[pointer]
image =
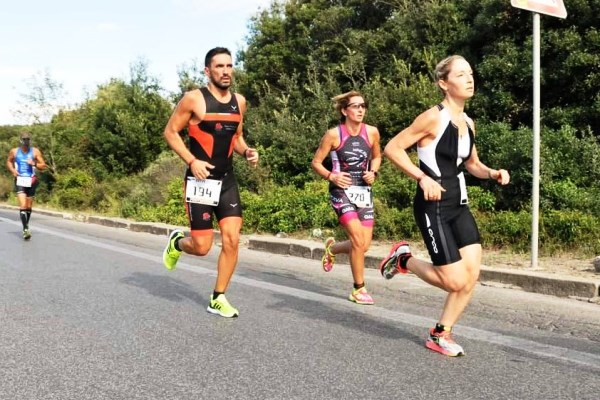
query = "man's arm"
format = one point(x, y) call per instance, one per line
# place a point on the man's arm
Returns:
point(38, 159)
point(10, 163)
point(179, 119)
point(190, 107)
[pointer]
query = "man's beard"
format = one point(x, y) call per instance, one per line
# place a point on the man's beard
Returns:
point(222, 86)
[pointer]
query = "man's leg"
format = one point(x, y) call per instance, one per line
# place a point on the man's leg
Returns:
point(230, 238)
point(24, 206)
point(28, 207)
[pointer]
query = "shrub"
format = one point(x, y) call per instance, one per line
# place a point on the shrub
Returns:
point(6, 187)
point(481, 199)
point(73, 190)
point(288, 209)
point(393, 224)
point(505, 229)
point(562, 230)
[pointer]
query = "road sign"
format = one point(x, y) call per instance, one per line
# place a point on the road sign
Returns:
point(555, 8)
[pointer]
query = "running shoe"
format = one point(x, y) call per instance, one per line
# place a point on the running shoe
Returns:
point(171, 254)
point(390, 265)
point(360, 296)
point(220, 306)
point(26, 234)
point(328, 258)
point(443, 342)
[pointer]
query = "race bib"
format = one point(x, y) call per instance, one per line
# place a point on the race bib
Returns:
point(360, 196)
point(463, 189)
point(203, 191)
point(24, 181)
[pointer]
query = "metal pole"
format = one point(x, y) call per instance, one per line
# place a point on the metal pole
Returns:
point(535, 193)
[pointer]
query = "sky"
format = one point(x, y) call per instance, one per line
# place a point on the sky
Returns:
point(81, 44)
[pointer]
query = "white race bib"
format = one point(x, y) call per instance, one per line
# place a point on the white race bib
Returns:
point(464, 199)
point(24, 181)
point(203, 191)
point(360, 196)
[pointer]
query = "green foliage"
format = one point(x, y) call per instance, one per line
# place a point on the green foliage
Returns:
point(172, 211)
point(123, 126)
point(288, 209)
point(394, 189)
point(392, 223)
point(6, 187)
point(562, 230)
point(481, 199)
point(505, 229)
point(77, 190)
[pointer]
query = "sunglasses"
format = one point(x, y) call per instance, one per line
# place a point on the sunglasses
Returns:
point(356, 106)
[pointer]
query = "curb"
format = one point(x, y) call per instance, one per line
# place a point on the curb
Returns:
point(578, 288)
point(530, 281)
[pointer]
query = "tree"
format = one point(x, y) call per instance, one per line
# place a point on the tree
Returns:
point(123, 125)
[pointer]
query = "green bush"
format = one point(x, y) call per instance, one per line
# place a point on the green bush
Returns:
point(564, 195)
point(171, 212)
point(481, 199)
point(7, 187)
point(288, 209)
point(73, 190)
point(393, 224)
point(505, 229)
point(564, 230)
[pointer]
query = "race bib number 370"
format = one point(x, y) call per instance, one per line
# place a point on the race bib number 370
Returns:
point(203, 191)
point(360, 196)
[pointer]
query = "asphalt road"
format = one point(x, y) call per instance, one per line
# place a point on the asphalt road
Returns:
point(88, 312)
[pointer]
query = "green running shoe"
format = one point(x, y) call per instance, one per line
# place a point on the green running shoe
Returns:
point(220, 306)
point(171, 254)
point(26, 234)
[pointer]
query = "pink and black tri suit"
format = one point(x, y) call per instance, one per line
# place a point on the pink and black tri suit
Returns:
point(353, 156)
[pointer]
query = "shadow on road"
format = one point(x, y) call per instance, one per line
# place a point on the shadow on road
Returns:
point(350, 320)
point(164, 287)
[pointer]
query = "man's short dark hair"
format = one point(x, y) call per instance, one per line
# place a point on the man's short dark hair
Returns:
point(213, 52)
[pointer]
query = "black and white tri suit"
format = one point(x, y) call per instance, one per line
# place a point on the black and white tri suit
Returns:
point(446, 225)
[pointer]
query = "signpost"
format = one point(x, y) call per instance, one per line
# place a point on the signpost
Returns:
point(554, 8)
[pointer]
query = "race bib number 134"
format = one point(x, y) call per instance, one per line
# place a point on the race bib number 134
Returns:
point(203, 191)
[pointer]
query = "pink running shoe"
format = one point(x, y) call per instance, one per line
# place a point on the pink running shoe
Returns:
point(360, 296)
point(328, 258)
point(444, 343)
point(390, 265)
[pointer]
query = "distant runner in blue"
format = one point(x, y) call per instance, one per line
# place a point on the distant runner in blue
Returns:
point(23, 162)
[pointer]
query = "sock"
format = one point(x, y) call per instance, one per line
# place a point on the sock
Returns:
point(439, 328)
point(28, 215)
point(359, 286)
point(403, 261)
point(217, 294)
point(23, 215)
point(176, 244)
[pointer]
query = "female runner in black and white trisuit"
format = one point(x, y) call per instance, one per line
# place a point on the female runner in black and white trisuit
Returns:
point(445, 138)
